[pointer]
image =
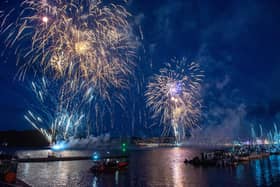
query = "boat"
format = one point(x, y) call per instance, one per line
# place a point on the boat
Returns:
point(108, 165)
point(255, 155)
point(8, 168)
point(215, 158)
point(196, 161)
point(274, 150)
point(8, 171)
point(146, 144)
point(275, 153)
point(242, 158)
point(155, 142)
point(265, 154)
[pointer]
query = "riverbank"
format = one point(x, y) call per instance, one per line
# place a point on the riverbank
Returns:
point(233, 156)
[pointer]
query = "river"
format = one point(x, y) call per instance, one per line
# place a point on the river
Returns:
point(155, 167)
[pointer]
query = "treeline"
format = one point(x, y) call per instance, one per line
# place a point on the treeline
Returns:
point(27, 138)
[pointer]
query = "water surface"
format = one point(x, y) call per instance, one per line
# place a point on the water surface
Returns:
point(156, 167)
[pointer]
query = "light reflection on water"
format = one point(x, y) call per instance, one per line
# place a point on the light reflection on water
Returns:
point(177, 172)
point(152, 167)
point(266, 171)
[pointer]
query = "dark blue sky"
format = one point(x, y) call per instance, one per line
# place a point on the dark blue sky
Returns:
point(235, 41)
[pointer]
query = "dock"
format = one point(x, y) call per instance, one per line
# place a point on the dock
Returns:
point(70, 158)
point(53, 159)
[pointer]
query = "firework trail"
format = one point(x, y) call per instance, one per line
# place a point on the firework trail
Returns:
point(89, 45)
point(82, 40)
point(59, 114)
point(52, 115)
point(173, 96)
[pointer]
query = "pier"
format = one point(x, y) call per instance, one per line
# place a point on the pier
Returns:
point(70, 158)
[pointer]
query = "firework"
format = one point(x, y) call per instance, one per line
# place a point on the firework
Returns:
point(59, 114)
point(87, 46)
point(174, 96)
point(52, 115)
point(81, 40)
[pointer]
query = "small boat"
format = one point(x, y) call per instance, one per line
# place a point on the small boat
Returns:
point(255, 155)
point(275, 153)
point(8, 168)
point(265, 154)
point(242, 158)
point(215, 158)
point(8, 171)
point(108, 165)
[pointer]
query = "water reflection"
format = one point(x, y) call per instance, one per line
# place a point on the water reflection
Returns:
point(153, 167)
point(258, 171)
point(240, 172)
point(94, 184)
point(177, 170)
point(117, 177)
point(275, 167)
point(26, 169)
point(266, 171)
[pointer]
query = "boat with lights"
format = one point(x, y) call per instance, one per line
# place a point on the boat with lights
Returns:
point(8, 171)
point(108, 163)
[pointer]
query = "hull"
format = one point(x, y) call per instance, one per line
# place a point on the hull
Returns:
point(103, 167)
point(8, 169)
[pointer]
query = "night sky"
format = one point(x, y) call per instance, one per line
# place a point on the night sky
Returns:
point(237, 43)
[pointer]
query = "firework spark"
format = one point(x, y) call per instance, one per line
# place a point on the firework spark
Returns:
point(81, 40)
point(51, 113)
point(88, 45)
point(59, 114)
point(174, 96)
